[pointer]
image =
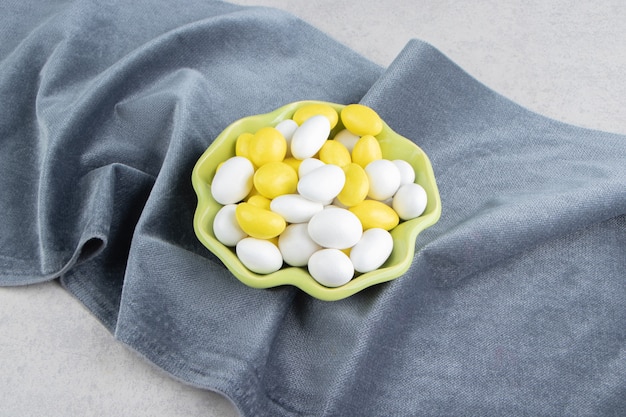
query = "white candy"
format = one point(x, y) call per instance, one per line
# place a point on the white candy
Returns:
point(323, 183)
point(310, 136)
point(296, 245)
point(372, 250)
point(233, 181)
point(410, 201)
point(386, 201)
point(258, 255)
point(335, 228)
point(384, 178)
point(294, 208)
point(225, 226)
point(347, 138)
point(407, 173)
point(331, 267)
point(287, 127)
point(308, 165)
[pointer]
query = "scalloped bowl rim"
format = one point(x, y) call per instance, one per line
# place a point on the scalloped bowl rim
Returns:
point(404, 235)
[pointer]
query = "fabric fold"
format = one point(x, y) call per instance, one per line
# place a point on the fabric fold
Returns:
point(519, 179)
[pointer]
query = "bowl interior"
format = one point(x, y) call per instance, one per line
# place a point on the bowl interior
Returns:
point(404, 235)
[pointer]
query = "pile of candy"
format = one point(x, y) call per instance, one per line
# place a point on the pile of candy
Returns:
point(293, 195)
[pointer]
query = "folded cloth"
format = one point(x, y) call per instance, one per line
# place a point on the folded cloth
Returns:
point(515, 303)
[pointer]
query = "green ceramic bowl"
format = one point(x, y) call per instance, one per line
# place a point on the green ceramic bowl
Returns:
point(404, 235)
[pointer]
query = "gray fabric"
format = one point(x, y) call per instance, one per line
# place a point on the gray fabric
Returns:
point(515, 303)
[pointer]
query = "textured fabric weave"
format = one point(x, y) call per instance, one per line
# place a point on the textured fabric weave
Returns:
point(515, 303)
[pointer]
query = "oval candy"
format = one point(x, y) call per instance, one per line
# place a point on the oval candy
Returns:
point(384, 179)
point(335, 228)
point(322, 184)
point(296, 246)
point(307, 165)
point(258, 222)
point(373, 213)
point(410, 201)
point(287, 127)
point(407, 173)
point(267, 145)
point(372, 250)
point(361, 120)
point(259, 201)
point(366, 150)
point(294, 208)
point(225, 226)
point(356, 186)
point(258, 255)
point(275, 178)
point(307, 111)
point(309, 137)
point(331, 267)
point(242, 145)
point(334, 152)
point(293, 162)
point(347, 138)
point(233, 181)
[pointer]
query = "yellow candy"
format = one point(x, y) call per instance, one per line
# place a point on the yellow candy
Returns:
point(366, 150)
point(293, 162)
point(242, 145)
point(333, 152)
point(258, 222)
point(356, 187)
point(267, 145)
point(275, 178)
point(260, 201)
point(274, 240)
point(373, 213)
point(309, 110)
point(361, 120)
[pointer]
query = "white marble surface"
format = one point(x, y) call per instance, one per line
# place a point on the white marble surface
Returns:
point(563, 59)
